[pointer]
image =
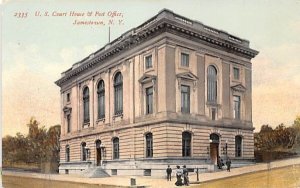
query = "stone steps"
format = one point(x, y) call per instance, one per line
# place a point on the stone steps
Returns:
point(95, 172)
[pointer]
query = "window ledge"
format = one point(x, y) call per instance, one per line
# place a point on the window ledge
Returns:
point(149, 114)
point(209, 103)
point(118, 115)
point(184, 67)
point(237, 81)
point(149, 69)
point(100, 119)
point(86, 125)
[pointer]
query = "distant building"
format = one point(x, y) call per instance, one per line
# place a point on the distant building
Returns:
point(170, 91)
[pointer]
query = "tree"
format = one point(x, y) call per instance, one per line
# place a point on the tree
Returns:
point(38, 146)
point(296, 127)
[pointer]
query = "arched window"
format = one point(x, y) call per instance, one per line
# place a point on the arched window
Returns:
point(238, 146)
point(67, 153)
point(98, 143)
point(211, 84)
point(86, 105)
point(214, 138)
point(83, 151)
point(101, 99)
point(116, 148)
point(149, 145)
point(118, 85)
point(186, 144)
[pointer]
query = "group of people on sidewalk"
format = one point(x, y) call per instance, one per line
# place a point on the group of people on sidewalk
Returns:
point(180, 173)
point(220, 163)
point(183, 174)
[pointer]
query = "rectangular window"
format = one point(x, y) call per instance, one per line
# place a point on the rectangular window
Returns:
point(149, 100)
point(114, 172)
point(213, 114)
point(147, 172)
point(68, 97)
point(184, 60)
point(68, 123)
point(237, 107)
point(236, 73)
point(148, 62)
point(185, 99)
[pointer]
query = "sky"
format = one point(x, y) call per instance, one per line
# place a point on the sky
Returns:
point(36, 49)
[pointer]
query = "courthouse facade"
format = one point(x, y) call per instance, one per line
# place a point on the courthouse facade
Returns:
point(170, 91)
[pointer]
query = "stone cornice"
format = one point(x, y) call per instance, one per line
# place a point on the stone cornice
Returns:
point(164, 21)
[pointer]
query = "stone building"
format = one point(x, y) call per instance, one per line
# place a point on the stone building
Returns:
point(170, 91)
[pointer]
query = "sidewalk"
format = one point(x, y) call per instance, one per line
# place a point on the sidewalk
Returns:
point(124, 181)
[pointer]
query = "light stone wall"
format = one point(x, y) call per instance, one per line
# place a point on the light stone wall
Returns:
point(167, 122)
point(167, 139)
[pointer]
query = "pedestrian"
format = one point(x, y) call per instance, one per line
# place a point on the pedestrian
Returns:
point(222, 163)
point(169, 172)
point(228, 164)
point(219, 162)
point(185, 175)
point(178, 176)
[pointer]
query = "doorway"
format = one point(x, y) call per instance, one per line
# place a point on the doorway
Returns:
point(214, 152)
point(214, 147)
point(98, 153)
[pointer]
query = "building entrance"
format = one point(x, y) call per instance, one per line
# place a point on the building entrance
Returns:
point(214, 148)
point(214, 152)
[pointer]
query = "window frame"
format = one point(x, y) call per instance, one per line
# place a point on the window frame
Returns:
point(184, 62)
point(118, 94)
point(149, 95)
point(186, 144)
point(212, 84)
point(68, 97)
point(185, 109)
point(238, 75)
point(237, 112)
point(116, 148)
point(214, 114)
point(149, 145)
point(67, 156)
point(86, 105)
point(238, 146)
point(148, 64)
point(68, 117)
point(101, 97)
point(83, 152)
